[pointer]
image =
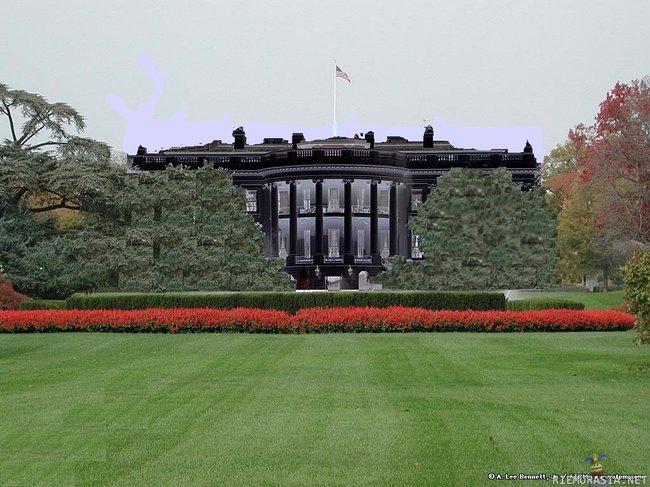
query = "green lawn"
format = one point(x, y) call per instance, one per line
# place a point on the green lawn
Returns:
point(590, 300)
point(308, 410)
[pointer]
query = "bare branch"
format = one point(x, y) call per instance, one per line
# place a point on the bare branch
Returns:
point(43, 144)
point(30, 126)
point(11, 120)
point(56, 206)
point(34, 133)
point(21, 192)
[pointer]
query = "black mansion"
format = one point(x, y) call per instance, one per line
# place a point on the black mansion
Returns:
point(339, 206)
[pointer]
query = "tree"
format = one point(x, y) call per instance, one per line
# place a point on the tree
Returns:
point(188, 231)
point(73, 219)
point(560, 169)
point(583, 248)
point(637, 293)
point(619, 155)
point(46, 169)
point(599, 185)
point(9, 298)
point(45, 166)
point(480, 232)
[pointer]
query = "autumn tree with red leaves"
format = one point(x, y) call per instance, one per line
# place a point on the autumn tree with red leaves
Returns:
point(619, 156)
point(9, 298)
point(599, 183)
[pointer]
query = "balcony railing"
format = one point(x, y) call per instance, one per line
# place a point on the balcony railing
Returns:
point(419, 160)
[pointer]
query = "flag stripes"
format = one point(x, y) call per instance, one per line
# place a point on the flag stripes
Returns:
point(342, 74)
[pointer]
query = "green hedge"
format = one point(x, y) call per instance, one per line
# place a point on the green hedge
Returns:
point(543, 303)
point(44, 304)
point(290, 301)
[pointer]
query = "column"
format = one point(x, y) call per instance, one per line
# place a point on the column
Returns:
point(293, 218)
point(318, 250)
point(265, 218)
point(393, 219)
point(404, 199)
point(374, 220)
point(274, 220)
point(347, 219)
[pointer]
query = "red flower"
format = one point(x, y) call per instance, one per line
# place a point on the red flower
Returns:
point(314, 320)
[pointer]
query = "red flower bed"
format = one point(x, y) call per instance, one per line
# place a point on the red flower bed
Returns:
point(311, 320)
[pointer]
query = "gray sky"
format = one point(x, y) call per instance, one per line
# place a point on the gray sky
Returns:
point(486, 73)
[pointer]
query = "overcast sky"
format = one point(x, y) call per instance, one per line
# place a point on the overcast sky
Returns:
point(486, 73)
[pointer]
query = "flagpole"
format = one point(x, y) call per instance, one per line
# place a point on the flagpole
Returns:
point(335, 97)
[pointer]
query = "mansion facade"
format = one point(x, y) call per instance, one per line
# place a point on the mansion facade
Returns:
point(334, 208)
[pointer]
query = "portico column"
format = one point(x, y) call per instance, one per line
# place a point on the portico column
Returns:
point(265, 218)
point(374, 220)
point(393, 219)
point(293, 218)
point(274, 219)
point(318, 250)
point(347, 219)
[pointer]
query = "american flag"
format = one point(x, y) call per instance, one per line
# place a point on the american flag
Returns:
point(342, 74)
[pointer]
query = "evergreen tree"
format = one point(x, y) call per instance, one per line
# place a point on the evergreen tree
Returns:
point(169, 230)
point(188, 231)
point(480, 232)
point(46, 169)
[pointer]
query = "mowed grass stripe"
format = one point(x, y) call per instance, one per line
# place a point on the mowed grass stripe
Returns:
point(591, 300)
point(412, 409)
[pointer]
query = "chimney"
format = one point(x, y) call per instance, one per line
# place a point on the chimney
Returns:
point(142, 151)
point(296, 138)
point(528, 155)
point(370, 138)
point(240, 137)
point(427, 139)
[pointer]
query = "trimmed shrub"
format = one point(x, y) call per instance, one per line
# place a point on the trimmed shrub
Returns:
point(44, 304)
point(291, 301)
point(541, 303)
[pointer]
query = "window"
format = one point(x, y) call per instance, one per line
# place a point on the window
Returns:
point(416, 253)
point(333, 200)
point(283, 202)
point(333, 191)
point(251, 200)
point(282, 251)
point(383, 202)
point(333, 242)
point(361, 236)
point(306, 234)
point(384, 238)
point(385, 251)
point(305, 197)
point(306, 238)
point(416, 199)
point(361, 196)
